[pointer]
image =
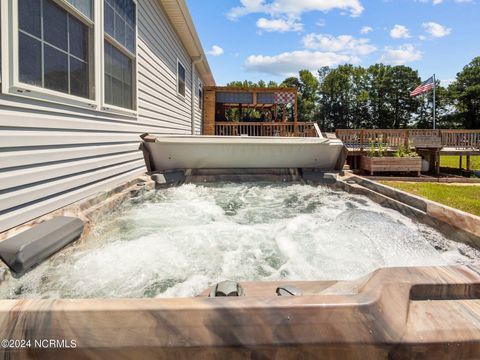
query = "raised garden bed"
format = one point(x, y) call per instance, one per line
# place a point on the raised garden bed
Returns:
point(391, 164)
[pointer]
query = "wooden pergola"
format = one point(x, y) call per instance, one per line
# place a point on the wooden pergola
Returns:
point(275, 104)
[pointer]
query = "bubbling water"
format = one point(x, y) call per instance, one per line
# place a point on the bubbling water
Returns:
point(179, 241)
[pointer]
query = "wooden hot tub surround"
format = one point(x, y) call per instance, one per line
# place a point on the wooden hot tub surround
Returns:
point(395, 313)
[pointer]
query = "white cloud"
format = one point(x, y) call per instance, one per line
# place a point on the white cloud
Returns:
point(279, 25)
point(400, 32)
point(447, 82)
point(319, 50)
point(436, 30)
point(289, 63)
point(400, 55)
point(365, 30)
point(343, 44)
point(434, 2)
point(215, 51)
point(293, 7)
point(437, 2)
point(248, 7)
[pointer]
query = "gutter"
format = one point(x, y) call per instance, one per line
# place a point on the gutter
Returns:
point(181, 21)
point(196, 60)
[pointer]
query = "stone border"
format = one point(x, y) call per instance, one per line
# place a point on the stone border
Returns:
point(88, 210)
point(456, 224)
point(91, 207)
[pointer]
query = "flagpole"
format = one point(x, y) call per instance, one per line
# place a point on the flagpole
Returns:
point(434, 103)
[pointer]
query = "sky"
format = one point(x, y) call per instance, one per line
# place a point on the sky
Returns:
point(274, 39)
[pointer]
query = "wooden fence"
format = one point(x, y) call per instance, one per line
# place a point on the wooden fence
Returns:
point(302, 129)
point(361, 139)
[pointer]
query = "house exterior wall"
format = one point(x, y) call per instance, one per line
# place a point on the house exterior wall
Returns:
point(52, 155)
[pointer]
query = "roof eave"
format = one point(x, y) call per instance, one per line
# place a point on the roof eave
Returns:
point(181, 20)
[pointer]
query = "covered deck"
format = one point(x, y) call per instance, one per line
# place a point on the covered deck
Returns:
point(234, 111)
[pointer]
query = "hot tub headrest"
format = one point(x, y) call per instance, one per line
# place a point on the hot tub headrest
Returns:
point(29, 248)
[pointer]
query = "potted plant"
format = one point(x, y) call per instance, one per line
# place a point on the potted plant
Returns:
point(404, 159)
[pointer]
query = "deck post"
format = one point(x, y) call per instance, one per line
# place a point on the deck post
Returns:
point(295, 116)
point(460, 165)
point(468, 162)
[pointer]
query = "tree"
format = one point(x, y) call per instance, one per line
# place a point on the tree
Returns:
point(307, 86)
point(261, 84)
point(308, 96)
point(343, 97)
point(379, 97)
point(403, 80)
point(466, 94)
point(291, 82)
point(335, 93)
point(391, 105)
point(447, 118)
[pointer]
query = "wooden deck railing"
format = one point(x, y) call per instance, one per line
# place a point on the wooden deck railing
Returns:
point(361, 139)
point(461, 139)
point(302, 129)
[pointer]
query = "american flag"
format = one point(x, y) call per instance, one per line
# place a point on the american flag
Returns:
point(425, 87)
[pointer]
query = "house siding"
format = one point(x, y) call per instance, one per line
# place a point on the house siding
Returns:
point(52, 155)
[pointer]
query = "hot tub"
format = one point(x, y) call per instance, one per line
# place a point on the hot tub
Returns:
point(374, 283)
point(237, 152)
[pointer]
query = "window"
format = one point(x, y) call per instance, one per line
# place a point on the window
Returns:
point(84, 6)
point(73, 52)
point(200, 97)
point(53, 47)
point(120, 53)
point(118, 78)
point(180, 79)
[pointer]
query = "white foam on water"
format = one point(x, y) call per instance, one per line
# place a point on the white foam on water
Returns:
point(179, 241)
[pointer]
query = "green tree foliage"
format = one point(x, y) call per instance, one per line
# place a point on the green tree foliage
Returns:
point(308, 86)
point(355, 97)
point(466, 94)
point(379, 97)
point(447, 118)
point(343, 97)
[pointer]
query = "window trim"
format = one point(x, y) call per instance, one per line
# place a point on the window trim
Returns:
point(3, 40)
point(200, 95)
point(9, 80)
point(183, 96)
point(113, 109)
point(15, 87)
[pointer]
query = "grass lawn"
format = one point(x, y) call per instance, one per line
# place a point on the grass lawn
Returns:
point(463, 197)
point(453, 162)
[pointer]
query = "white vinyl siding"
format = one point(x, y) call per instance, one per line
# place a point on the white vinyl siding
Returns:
point(198, 107)
point(158, 51)
point(52, 155)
